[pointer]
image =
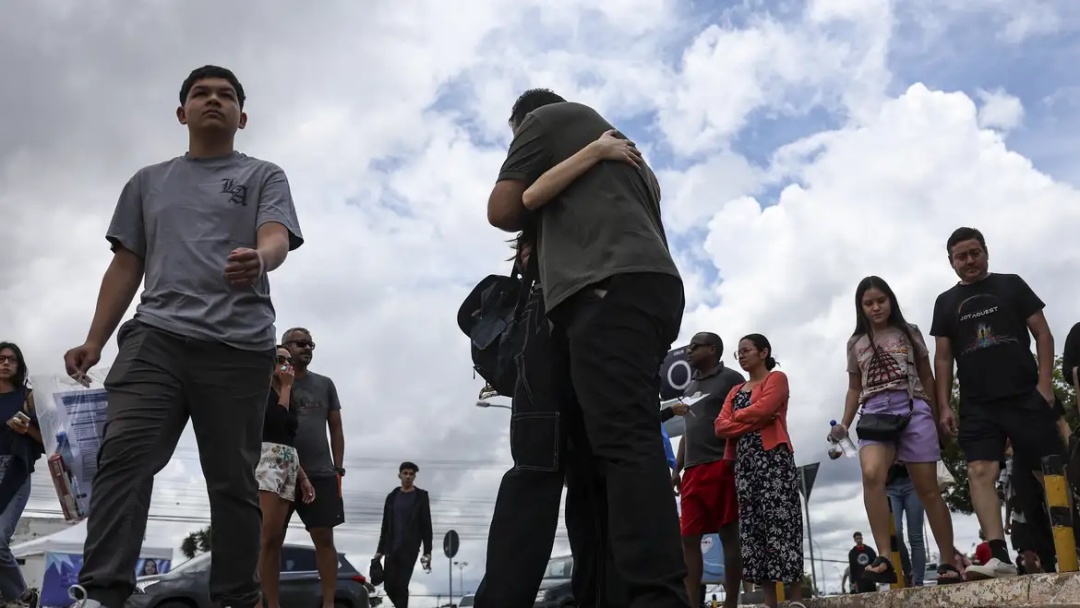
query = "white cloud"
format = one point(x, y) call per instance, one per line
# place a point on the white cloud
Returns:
point(391, 188)
point(999, 110)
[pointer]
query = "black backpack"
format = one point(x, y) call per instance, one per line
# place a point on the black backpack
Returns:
point(488, 316)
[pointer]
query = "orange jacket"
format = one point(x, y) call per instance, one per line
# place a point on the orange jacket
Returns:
point(767, 413)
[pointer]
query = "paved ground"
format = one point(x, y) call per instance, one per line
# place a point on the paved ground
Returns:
point(1035, 591)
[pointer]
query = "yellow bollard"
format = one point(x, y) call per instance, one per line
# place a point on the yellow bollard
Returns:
point(779, 591)
point(894, 550)
point(1057, 503)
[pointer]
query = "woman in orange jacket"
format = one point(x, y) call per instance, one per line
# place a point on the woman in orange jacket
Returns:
point(754, 419)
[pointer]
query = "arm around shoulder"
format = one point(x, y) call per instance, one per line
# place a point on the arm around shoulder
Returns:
point(771, 396)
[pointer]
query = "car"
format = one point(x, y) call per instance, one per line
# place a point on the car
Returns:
point(555, 590)
point(187, 585)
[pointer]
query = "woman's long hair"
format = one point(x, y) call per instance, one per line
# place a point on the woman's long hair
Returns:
point(863, 326)
point(20, 371)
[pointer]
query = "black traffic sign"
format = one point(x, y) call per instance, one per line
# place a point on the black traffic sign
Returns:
point(450, 544)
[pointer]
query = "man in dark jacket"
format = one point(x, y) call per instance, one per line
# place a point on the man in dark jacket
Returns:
point(406, 525)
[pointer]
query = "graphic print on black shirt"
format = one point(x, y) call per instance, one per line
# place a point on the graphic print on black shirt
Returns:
point(858, 559)
point(986, 324)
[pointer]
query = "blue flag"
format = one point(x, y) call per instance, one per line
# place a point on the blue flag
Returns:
point(667, 448)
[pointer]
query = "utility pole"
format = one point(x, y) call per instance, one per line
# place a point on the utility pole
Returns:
point(461, 575)
point(809, 532)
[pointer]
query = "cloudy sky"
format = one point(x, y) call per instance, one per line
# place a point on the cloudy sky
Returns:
point(801, 145)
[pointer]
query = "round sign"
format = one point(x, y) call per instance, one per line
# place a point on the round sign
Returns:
point(450, 544)
point(678, 375)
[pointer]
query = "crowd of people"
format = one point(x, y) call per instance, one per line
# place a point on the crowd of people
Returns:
point(585, 207)
point(201, 232)
point(601, 302)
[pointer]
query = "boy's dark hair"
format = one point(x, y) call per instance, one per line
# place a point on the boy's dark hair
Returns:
point(211, 71)
point(529, 101)
point(964, 234)
point(408, 466)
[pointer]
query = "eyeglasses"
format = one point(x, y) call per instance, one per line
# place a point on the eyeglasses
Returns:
point(8, 359)
point(743, 351)
point(303, 344)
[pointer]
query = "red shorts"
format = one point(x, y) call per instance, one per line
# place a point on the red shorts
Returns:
point(709, 499)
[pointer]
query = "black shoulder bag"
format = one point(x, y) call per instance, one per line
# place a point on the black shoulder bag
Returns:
point(887, 427)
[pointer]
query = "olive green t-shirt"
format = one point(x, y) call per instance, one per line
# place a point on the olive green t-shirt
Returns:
point(607, 222)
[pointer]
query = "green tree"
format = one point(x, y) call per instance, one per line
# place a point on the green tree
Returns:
point(958, 496)
point(199, 541)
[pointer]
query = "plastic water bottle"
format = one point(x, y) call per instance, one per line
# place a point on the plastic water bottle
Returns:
point(844, 442)
point(63, 448)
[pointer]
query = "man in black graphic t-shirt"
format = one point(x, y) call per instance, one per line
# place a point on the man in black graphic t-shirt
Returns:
point(859, 558)
point(983, 323)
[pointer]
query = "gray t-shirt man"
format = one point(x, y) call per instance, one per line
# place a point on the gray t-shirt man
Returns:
point(700, 443)
point(606, 223)
point(314, 396)
point(183, 217)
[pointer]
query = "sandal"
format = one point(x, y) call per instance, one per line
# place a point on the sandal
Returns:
point(948, 575)
point(887, 576)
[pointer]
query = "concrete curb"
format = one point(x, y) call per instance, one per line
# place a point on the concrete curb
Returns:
point(1033, 591)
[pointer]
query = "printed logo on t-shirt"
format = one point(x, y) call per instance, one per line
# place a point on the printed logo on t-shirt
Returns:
point(975, 317)
point(237, 193)
point(863, 559)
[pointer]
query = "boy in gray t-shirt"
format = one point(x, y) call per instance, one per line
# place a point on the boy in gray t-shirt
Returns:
point(201, 231)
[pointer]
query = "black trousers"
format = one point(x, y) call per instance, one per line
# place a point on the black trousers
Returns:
point(615, 335)
point(157, 382)
point(550, 450)
point(398, 573)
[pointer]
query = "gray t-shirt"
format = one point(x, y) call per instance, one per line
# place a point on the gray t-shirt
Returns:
point(314, 397)
point(607, 222)
point(184, 217)
point(700, 443)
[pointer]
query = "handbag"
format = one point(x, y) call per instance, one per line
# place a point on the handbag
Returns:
point(887, 427)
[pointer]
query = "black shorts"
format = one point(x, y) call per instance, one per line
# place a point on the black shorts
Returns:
point(1028, 421)
point(326, 511)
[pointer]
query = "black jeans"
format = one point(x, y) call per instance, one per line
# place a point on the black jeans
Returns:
point(616, 334)
point(398, 572)
point(157, 381)
point(546, 457)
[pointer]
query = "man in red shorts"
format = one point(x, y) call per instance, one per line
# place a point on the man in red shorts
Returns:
point(707, 483)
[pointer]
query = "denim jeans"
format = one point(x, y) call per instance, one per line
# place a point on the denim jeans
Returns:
point(12, 584)
point(905, 502)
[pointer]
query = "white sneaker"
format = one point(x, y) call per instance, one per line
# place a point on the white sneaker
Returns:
point(77, 593)
point(995, 568)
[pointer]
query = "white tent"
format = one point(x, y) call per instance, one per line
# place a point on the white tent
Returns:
point(51, 560)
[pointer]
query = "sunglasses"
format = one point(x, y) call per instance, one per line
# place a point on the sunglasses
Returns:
point(303, 344)
point(282, 359)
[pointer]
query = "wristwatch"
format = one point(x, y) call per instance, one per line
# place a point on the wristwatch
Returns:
point(340, 471)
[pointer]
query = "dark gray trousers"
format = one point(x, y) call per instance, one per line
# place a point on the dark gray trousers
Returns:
point(157, 382)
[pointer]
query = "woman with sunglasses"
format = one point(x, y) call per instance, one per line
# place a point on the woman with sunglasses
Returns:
point(278, 474)
point(754, 418)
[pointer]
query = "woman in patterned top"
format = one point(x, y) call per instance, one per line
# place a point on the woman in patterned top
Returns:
point(754, 418)
point(889, 372)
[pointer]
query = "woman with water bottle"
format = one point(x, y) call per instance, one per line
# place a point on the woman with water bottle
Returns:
point(890, 377)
